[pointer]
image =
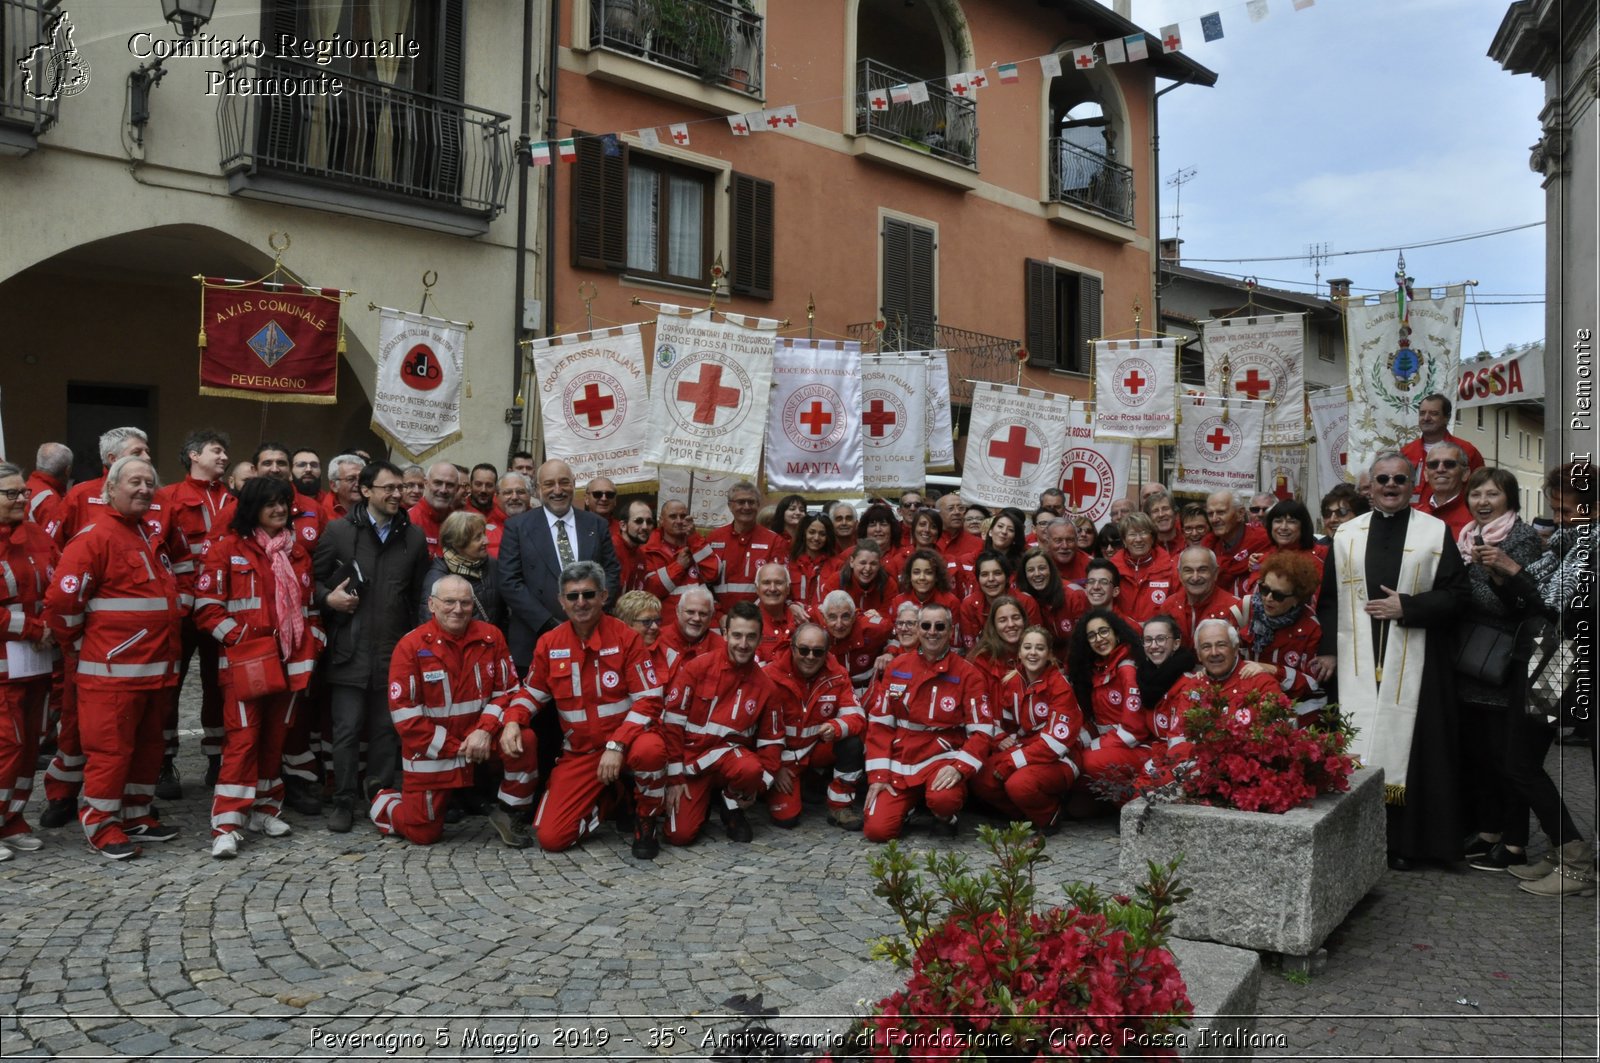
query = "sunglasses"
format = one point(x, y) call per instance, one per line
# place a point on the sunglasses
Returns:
point(1444, 463)
point(929, 625)
point(587, 596)
point(602, 495)
point(1259, 509)
point(1276, 595)
point(811, 651)
point(1399, 479)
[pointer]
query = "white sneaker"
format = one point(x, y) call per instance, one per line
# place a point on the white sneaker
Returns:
point(271, 826)
point(225, 846)
point(5, 852)
point(24, 843)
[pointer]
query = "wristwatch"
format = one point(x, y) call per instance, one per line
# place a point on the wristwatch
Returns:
point(615, 747)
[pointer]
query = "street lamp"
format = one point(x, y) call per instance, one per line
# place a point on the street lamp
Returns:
point(188, 17)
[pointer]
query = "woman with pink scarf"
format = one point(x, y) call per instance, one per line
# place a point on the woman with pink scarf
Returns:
point(253, 594)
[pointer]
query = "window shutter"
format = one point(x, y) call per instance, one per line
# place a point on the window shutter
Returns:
point(896, 307)
point(1039, 294)
point(752, 235)
point(1088, 320)
point(279, 135)
point(923, 315)
point(449, 81)
point(599, 204)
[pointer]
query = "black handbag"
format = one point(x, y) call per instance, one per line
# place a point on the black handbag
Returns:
point(1484, 652)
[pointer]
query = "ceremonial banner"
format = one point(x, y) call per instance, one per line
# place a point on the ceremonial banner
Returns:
point(1393, 366)
point(272, 342)
point(894, 422)
point(1265, 359)
point(708, 395)
point(814, 437)
point(1489, 380)
point(705, 493)
point(1283, 472)
point(1219, 444)
point(592, 403)
point(416, 404)
point(1094, 472)
point(1330, 419)
point(941, 431)
point(1135, 385)
point(1014, 445)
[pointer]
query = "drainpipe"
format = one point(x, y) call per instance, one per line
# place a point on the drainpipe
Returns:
point(1155, 219)
point(520, 268)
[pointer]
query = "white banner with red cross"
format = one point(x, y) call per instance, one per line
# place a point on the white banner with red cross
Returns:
point(894, 422)
point(708, 394)
point(592, 393)
point(1014, 444)
point(814, 433)
point(941, 430)
point(1261, 358)
point(1283, 471)
point(416, 403)
point(1094, 471)
point(1219, 444)
point(1330, 419)
point(1135, 389)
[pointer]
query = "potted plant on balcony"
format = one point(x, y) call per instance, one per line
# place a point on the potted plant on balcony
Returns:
point(746, 48)
point(622, 21)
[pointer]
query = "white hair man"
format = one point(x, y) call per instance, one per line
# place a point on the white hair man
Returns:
point(115, 443)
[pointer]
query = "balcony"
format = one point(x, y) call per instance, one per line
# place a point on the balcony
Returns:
point(1090, 181)
point(717, 41)
point(37, 68)
point(974, 357)
point(375, 150)
point(943, 128)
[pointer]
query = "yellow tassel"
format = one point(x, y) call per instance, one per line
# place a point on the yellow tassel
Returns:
point(1394, 794)
point(202, 335)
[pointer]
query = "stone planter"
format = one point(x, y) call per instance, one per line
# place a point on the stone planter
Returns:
point(1260, 881)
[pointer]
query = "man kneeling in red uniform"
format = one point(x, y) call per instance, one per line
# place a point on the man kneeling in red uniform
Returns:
point(822, 723)
point(447, 680)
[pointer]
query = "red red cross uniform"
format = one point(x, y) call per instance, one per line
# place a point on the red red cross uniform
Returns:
point(74, 511)
point(1036, 762)
point(723, 726)
point(1416, 452)
point(808, 578)
point(776, 630)
point(118, 598)
point(423, 516)
point(443, 687)
point(1170, 746)
point(1117, 725)
point(740, 556)
point(678, 651)
point(818, 714)
point(663, 575)
point(604, 689)
point(1146, 584)
point(928, 715)
point(1060, 620)
point(1218, 605)
point(203, 510)
point(859, 653)
point(45, 501)
point(974, 613)
point(494, 527)
point(235, 601)
point(27, 557)
point(1233, 563)
point(310, 733)
point(1288, 650)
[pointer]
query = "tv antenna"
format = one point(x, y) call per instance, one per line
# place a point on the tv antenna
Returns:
point(1316, 255)
point(1176, 182)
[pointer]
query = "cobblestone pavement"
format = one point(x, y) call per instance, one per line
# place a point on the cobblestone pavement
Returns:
point(305, 945)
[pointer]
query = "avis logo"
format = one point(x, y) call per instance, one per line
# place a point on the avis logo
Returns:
point(54, 68)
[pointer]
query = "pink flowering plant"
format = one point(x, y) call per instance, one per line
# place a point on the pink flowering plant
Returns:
point(991, 976)
point(1255, 757)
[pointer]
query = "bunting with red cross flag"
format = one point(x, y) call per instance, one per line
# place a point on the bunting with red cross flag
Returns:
point(592, 393)
point(1094, 471)
point(894, 423)
point(1135, 389)
point(1219, 444)
point(814, 429)
point(1014, 444)
point(709, 387)
point(1261, 358)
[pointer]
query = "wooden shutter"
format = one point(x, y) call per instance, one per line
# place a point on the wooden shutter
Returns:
point(1039, 295)
point(752, 235)
point(449, 82)
point(280, 137)
point(599, 204)
point(920, 277)
point(896, 249)
point(1088, 320)
point(908, 281)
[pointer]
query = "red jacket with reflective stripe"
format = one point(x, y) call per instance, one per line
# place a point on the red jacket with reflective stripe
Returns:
point(739, 556)
point(808, 705)
point(1218, 605)
point(234, 601)
point(1233, 565)
point(27, 556)
point(714, 705)
point(202, 510)
point(117, 600)
point(1045, 719)
point(662, 575)
point(74, 507)
point(1167, 720)
point(45, 506)
point(423, 517)
point(1116, 709)
point(604, 687)
point(1145, 585)
point(927, 716)
point(442, 687)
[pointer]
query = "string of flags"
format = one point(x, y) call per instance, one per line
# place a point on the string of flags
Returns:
point(1133, 48)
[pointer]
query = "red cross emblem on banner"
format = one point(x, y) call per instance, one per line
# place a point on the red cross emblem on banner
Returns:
point(773, 121)
point(1134, 382)
point(816, 419)
point(1079, 487)
point(594, 405)
point(708, 394)
point(681, 137)
point(877, 418)
point(789, 120)
point(1218, 439)
point(960, 88)
point(1014, 452)
point(1086, 60)
point(977, 81)
point(1252, 385)
point(880, 103)
point(1172, 42)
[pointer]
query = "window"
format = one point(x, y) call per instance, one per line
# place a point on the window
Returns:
point(909, 265)
point(1325, 346)
point(1063, 315)
point(669, 222)
point(1480, 418)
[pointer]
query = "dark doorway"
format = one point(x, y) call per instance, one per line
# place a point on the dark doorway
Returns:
point(96, 408)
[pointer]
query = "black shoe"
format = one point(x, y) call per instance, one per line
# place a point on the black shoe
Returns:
point(341, 819)
point(117, 850)
point(168, 788)
point(213, 769)
point(1478, 845)
point(454, 813)
point(152, 832)
point(738, 826)
point(1400, 863)
point(646, 845)
point(508, 824)
point(469, 803)
point(59, 813)
point(300, 797)
point(1499, 858)
point(944, 828)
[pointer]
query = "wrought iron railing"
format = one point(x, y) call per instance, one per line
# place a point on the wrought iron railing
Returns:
point(973, 356)
point(372, 136)
point(38, 64)
point(715, 40)
point(1089, 180)
point(944, 126)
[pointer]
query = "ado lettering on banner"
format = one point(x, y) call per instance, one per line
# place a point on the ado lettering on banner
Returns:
point(416, 405)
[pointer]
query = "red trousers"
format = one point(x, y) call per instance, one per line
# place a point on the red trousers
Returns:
point(1033, 793)
point(416, 812)
point(22, 709)
point(64, 777)
point(738, 771)
point(1115, 763)
point(885, 814)
point(210, 692)
point(248, 779)
point(570, 807)
point(307, 744)
point(121, 732)
point(785, 808)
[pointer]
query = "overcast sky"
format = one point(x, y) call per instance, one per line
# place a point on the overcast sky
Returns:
point(1359, 124)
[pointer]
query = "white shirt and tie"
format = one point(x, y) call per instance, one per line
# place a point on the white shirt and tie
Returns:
point(564, 535)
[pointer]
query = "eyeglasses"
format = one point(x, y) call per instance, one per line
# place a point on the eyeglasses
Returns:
point(1259, 509)
point(648, 621)
point(929, 625)
point(387, 489)
point(587, 596)
point(602, 495)
point(1100, 633)
point(811, 651)
point(1153, 640)
point(1399, 479)
point(1276, 595)
point(1444, 463)
point(905, 623)
point(1336, 511)
point(14, 493)
point(454, 603)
